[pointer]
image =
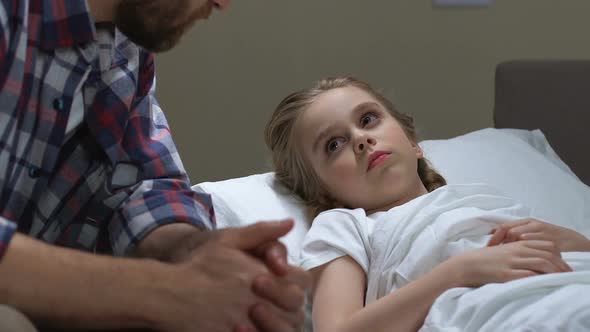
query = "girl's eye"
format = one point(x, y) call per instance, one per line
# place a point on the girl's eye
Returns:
point(333, 145)
point(368, 118)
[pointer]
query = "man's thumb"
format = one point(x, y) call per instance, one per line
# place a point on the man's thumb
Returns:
point(250, 237)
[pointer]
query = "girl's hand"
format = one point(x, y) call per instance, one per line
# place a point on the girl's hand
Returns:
point(531, 229)
point(509, 262)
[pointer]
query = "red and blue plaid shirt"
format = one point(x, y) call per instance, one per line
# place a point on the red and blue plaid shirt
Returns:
point(101, 182)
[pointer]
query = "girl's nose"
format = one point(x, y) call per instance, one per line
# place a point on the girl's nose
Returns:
point(363, 143)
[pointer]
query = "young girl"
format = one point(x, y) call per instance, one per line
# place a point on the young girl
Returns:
point(389, 235)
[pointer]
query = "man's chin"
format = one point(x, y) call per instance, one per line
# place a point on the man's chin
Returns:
point(142, 25)
point(161, 47)
point(155, 45)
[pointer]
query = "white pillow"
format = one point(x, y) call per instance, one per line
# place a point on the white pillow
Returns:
point(519, 162)
point(537, 140)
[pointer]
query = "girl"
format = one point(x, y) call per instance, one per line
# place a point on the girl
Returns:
point(389, 235)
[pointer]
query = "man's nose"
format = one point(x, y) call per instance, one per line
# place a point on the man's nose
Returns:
point(221, 4)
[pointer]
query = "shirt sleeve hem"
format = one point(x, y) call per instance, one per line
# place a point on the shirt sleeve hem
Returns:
point(313, 262)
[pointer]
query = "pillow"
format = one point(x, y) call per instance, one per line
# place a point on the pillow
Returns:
point(519, 162)
point(539, 142)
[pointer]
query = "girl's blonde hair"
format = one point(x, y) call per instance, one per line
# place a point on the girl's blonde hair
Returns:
point(294, 172)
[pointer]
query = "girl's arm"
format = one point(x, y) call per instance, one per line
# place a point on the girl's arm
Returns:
point(339, 293)
point(339, 286)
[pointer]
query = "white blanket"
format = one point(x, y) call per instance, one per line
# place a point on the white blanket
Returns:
point(398, 246)
point(551, 302)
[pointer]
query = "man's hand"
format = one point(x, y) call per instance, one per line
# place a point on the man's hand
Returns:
point(531, 229)
point(285, 294)
point(274, 293)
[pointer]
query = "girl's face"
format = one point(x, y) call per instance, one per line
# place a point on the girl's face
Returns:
point(359, 151)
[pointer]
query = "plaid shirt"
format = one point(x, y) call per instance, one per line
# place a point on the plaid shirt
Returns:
point(101, 182)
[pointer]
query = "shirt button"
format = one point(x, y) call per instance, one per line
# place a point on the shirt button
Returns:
point(58, 104)
point(34, 171)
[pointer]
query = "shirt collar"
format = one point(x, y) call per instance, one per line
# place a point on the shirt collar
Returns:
point(66, 23)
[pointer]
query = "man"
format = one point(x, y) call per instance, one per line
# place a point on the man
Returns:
point(87, 162)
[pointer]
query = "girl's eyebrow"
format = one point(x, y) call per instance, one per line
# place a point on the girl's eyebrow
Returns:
point(363, 106)
point(326, 131)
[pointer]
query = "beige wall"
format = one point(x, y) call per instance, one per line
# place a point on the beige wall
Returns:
point(220, 85)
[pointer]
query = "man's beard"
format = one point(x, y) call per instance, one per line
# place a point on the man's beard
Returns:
point(157, 25)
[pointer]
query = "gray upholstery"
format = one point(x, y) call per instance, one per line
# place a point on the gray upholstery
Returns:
point(553, 95)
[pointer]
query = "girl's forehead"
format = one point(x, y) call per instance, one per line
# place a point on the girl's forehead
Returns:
point(334, 105)
point(339, 103)
point(344, 96)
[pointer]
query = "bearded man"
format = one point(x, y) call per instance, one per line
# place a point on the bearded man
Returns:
point(99, 228)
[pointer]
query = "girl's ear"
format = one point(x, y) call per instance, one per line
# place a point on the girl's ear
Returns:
point(418, 151)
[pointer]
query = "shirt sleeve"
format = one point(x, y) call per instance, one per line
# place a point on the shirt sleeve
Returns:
point(7, 229)
point(163, 195)
point(334, 234)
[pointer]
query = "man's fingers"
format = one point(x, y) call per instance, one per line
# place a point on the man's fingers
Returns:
point(252, 236)
point(274, 254)
point(281, 292)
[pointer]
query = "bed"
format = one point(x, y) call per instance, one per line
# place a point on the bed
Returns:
point(536, 154)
